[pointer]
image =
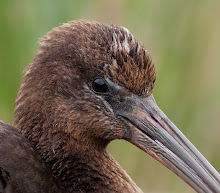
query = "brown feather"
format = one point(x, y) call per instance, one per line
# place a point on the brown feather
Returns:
point(63, 119)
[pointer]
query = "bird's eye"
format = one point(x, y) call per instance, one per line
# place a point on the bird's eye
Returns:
point(99, 85)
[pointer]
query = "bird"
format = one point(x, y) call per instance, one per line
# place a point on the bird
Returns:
point(89, 84)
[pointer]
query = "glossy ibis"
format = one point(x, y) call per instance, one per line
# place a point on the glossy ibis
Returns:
point(89, 84)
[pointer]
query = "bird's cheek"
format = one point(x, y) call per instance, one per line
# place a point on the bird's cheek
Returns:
point(112, 130)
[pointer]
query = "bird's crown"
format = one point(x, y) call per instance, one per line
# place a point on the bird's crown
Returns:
point(108, 51)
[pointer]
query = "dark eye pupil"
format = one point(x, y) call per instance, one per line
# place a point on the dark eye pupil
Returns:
point(99, 85)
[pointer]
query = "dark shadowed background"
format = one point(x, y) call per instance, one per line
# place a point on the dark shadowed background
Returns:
point(183, 38)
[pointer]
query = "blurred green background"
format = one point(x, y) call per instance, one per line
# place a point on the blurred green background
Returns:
point(183, 38)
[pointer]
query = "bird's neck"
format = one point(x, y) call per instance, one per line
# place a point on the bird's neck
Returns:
point(85, 170)
point(91, 171)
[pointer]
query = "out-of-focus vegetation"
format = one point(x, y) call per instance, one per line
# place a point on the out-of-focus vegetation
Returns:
point(183, 38)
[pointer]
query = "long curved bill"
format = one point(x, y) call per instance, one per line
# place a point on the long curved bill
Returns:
point(152, 131)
